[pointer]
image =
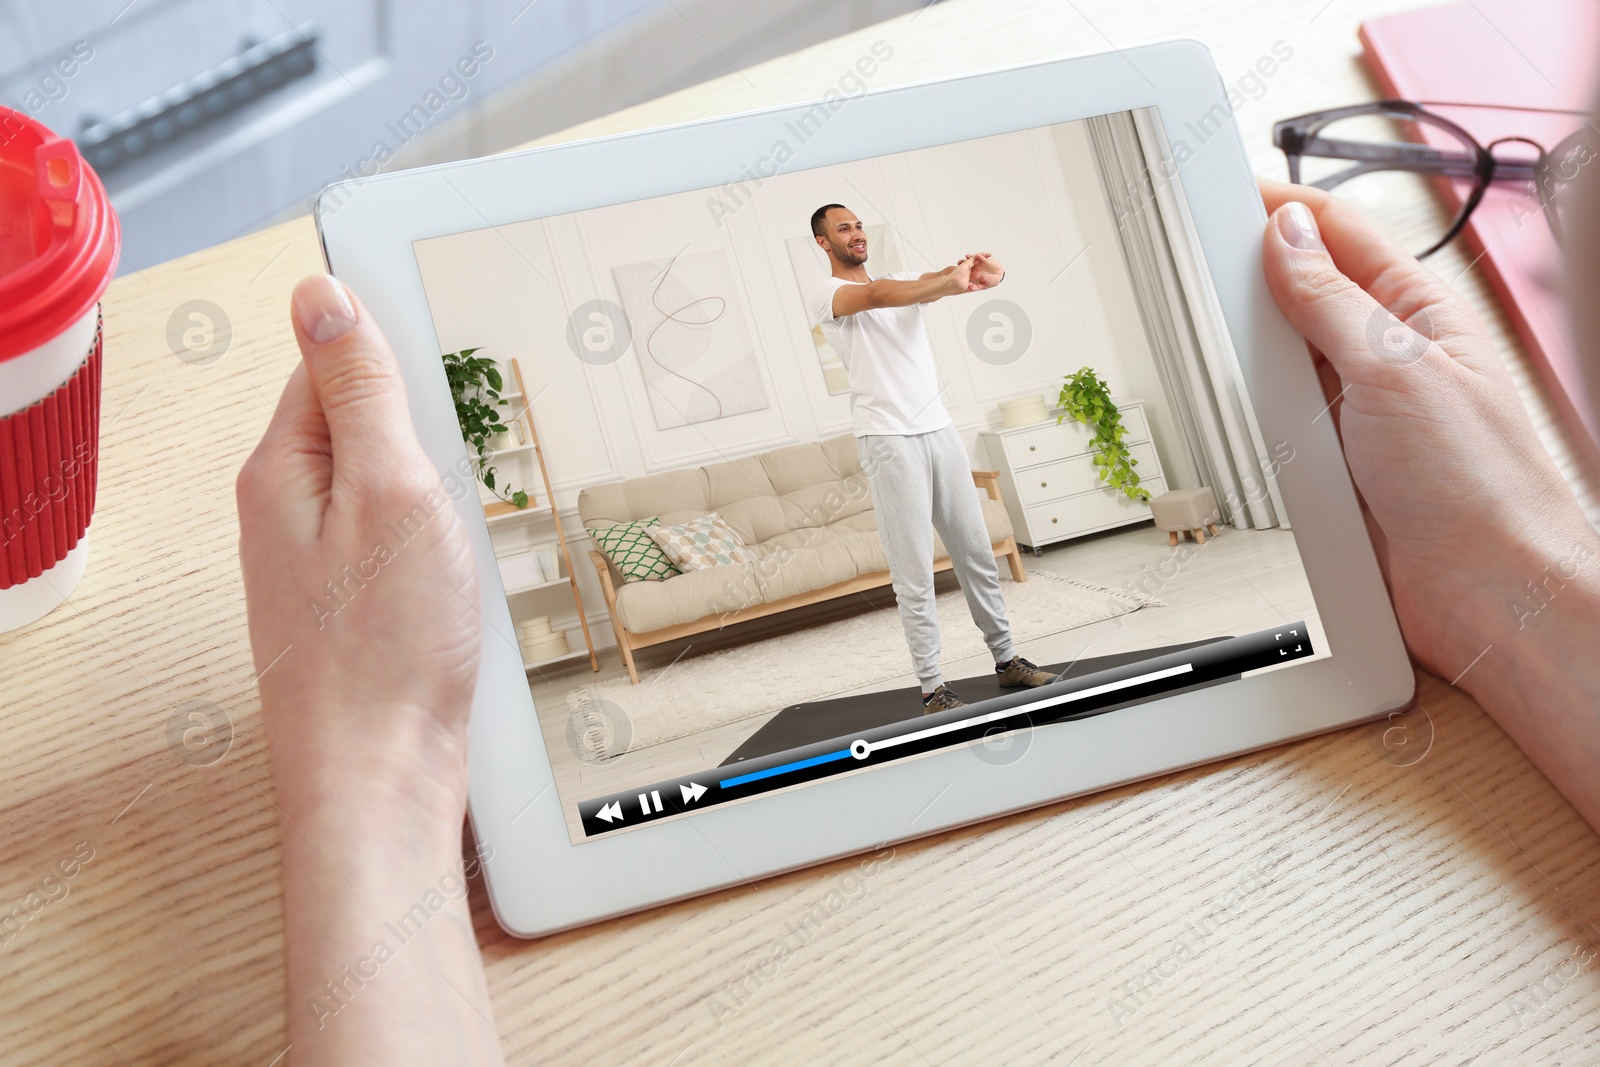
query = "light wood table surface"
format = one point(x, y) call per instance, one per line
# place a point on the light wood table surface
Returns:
point(1379, 909)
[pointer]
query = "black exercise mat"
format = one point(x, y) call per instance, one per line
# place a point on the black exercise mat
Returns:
point(806, 724)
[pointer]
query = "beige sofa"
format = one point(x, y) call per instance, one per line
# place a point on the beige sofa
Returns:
point(804, 511)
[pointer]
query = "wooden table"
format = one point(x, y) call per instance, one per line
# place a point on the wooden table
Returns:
point(1380, 908)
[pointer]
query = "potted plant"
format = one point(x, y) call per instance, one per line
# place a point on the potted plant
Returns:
point(1085, 397)
point(475, 385)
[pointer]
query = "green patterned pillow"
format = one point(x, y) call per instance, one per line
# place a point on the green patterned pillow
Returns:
point(633, 552)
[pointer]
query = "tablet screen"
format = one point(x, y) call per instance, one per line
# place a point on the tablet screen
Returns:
point(837, 466)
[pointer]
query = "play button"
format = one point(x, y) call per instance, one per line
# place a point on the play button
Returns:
point(692, 792)
point(611, 812)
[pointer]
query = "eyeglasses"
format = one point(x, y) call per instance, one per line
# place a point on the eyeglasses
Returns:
point(1396, 145)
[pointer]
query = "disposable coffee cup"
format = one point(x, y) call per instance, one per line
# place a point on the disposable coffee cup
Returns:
point(58, 251)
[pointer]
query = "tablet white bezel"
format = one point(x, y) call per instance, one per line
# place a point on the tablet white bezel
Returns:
point(539, 881)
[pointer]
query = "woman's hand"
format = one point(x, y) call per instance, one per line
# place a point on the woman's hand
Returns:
point(364, 622)
point(359, 577)
point(1463, 502)
point(1493, 569)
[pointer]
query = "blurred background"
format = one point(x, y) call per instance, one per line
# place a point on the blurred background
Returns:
point(210, 118)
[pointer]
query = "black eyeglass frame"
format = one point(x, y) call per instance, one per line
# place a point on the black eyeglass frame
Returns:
point(1302, 136)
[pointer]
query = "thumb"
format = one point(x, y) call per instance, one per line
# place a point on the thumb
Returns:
point(1359, 336)
point(356, 380)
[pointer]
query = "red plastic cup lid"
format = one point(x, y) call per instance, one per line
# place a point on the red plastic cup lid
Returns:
point(58, 235)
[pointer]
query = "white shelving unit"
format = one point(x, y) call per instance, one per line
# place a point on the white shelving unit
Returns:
point(514, 527)
point(510, 591)
point(502, 518)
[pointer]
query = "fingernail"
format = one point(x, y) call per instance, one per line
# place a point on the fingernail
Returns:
point(1298, 226)
point(323, 309)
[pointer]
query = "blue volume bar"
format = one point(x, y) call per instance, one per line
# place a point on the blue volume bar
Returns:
point(784, 768)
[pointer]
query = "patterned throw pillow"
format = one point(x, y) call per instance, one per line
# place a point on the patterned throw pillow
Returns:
point(630, 549)
point(701, 543)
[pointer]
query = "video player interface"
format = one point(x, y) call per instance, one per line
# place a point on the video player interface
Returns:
point(835, 467)
point(1071, 698)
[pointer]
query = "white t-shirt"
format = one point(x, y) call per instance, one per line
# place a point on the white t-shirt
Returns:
point(894, 383)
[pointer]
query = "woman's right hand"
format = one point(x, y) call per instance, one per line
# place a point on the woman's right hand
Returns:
point(1464, 504)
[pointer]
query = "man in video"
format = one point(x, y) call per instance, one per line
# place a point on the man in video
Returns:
point(910, 449)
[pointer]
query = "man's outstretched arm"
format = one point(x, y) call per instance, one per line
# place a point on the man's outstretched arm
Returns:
point(891, 293)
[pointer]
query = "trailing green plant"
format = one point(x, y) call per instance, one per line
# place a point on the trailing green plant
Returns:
point(1085, 397)
point(475, 385)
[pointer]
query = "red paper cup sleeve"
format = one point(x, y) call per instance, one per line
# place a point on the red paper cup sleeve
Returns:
point(49, 458)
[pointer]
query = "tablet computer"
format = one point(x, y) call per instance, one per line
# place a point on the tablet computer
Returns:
point(788, 436)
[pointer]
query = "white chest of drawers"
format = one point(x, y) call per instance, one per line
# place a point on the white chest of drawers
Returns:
point(1051, 486)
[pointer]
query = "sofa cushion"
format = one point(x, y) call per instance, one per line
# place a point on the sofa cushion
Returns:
point(670, 497)
point(630, 548)
point(825, 503)
point(707, 541)
point(739, 491)
point(795, 466)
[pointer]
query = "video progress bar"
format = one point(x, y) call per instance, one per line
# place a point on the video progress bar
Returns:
point(1073, 698)
point(862, 749)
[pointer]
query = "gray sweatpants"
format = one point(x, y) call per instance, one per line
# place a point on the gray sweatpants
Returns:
point(915, 478)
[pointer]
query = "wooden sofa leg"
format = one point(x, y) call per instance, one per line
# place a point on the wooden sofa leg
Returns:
point(1014, 558)
point(624, 645)
point(627, 654)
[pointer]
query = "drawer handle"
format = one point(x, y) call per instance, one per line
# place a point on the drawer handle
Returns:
point(1033, 448)
point(1043, 484)
point(260, 69)
point(1055, 520)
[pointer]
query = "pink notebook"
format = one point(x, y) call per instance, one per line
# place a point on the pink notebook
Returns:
point(1544, 53)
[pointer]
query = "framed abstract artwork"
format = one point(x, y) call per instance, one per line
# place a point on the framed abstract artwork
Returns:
point(691, 339)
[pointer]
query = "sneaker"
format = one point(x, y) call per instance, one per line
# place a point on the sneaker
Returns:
point(941, 699)
point(1019, 671)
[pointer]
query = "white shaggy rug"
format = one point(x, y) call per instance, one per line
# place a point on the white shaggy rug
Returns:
point(701, 692)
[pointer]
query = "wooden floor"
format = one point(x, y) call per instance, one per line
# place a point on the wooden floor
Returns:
point(1242, 581)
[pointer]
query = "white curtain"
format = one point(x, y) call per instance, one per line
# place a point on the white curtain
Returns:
point(1194, 354)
